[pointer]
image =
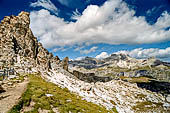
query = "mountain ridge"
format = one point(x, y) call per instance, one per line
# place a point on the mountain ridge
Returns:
point(116, 58)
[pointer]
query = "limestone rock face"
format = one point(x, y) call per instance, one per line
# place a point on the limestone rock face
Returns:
point(124, 96)
point(64, 63)
point(18, 44)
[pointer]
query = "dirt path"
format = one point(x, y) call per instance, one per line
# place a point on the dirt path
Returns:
point(11, 97)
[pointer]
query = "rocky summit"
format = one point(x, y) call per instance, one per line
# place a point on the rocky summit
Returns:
point(115, 83)
point(18, 46)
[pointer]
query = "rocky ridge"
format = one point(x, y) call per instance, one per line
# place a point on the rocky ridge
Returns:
point(117, 60)
point(19, 47)
point(118, 65)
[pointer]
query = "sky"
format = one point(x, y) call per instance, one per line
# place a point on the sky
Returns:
point(98, 28)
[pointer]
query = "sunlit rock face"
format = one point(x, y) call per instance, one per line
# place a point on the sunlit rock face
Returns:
point(124, 65)
point(18, 44)
point(124, 96)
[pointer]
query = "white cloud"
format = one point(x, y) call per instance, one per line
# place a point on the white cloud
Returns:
point(112, 23)
point(163, 21)
point(102, 55)
point(93, 49)
point(64, 2)
point(59, 49)
point(79, 48)
point(76, 15)
point(47, 4)
point(79, 58)
point(73, 3)
point(150, 11)
point(146, 53)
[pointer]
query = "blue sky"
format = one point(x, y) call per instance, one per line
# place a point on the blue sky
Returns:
point(79, 28)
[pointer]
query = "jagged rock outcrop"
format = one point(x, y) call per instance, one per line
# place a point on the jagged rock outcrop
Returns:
point(87, 63)
point(18, 44)
point(64, 63)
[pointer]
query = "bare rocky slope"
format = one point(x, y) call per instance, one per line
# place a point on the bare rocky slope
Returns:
point(20, 50)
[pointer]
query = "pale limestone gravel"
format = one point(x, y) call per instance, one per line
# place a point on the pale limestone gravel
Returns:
point(124, 95)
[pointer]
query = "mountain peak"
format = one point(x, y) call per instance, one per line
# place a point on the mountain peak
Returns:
point(19, 45)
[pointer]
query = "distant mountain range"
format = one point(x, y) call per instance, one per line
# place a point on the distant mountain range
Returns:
point(120, 60)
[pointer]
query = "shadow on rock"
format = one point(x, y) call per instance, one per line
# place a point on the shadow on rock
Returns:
point(1, 89)
point(156, 86)
point(90, 77)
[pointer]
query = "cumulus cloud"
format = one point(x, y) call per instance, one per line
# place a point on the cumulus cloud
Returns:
point(145, 53)
point(47, 4)
point(111, 23)
point(102, 55)
point(86, 51)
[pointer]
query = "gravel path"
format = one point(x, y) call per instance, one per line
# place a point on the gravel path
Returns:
point(11, 97)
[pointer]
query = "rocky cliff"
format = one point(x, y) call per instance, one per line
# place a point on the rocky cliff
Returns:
point(19, 46)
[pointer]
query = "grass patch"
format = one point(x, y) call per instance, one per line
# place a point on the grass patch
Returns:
point(119, 69)
point(135, 79)
point(18, 78)
point(143, 68)
point(1, 78)
point(147, 105)
point(62, 99)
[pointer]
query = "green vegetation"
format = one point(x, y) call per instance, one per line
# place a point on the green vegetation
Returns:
point(18, 78)
point(147, 105)
point(119, 69)
point(1, 78)
point(111, 74)
point(143, 68)
point(135, 79)
point(62, 99)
